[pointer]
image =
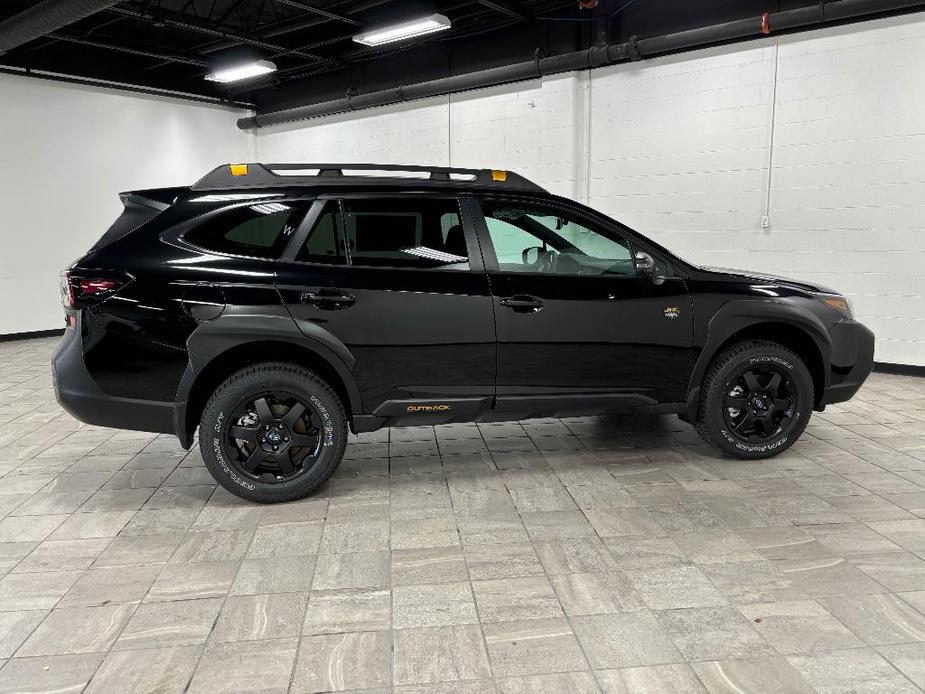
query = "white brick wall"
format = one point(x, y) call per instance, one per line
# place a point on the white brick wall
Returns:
point(679, 148)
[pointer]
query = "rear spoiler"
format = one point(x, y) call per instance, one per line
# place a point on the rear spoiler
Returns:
point(156, 198)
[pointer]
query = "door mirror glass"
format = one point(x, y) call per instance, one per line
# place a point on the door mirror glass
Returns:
point(645, 263)
point(531, 255)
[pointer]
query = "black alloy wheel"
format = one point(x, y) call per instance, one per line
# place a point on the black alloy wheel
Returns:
point(755, 400)
point(761, 403)
point(277, 436)
point(273, 432)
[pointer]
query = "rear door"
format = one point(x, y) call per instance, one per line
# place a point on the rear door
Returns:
point(396, 281)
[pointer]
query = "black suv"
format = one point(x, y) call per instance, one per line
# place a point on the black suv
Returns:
point(274, 306)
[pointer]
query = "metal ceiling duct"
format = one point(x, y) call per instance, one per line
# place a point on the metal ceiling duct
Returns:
point(596, 56)
point(45, 17)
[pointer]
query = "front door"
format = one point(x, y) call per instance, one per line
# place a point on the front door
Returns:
point(578, 328)
point(397, 282)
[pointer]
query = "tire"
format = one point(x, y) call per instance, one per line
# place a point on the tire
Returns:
point(322, 424)
point(726, 384)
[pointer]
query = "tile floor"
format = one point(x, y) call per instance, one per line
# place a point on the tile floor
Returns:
point(577, 555)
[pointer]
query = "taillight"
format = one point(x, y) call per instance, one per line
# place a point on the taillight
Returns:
point(67, 290)
point(97, 286)
point(92, 288)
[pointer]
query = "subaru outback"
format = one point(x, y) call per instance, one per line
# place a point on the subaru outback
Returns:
point(277, 307)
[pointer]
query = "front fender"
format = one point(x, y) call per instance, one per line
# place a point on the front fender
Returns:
point(740, 314)
point(210, 340)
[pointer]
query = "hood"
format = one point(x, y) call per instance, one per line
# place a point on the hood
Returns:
point(770, 279)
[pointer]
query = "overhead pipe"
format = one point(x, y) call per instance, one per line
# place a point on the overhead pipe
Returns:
point(596, 56)
point(45, 17)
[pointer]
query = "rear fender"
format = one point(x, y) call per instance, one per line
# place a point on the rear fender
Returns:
point(237, 327)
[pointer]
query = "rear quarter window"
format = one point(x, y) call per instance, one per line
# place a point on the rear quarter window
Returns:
point(261, 230)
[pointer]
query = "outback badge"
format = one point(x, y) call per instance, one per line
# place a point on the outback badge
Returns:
point(672, 312)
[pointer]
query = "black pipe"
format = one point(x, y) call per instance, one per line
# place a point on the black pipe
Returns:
point(44, 18)
point(589, 58)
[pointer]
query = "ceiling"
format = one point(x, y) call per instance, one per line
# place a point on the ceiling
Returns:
point(172, 44)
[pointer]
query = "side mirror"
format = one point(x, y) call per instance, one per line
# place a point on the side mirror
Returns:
point(531, 255)
point(645, 264)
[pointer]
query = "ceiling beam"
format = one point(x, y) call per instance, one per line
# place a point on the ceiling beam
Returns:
point(317, 10)
point(166, 20)
point(511, 9)
point(45, 17)
point(148, 53)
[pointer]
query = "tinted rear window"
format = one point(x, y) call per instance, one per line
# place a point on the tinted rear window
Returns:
point(261, 230)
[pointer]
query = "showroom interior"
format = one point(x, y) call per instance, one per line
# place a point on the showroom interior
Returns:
point(545, 551)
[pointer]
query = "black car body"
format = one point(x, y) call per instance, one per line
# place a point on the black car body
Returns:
point(408, 298)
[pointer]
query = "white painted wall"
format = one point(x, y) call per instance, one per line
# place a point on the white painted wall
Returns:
point(66, 151)
point(823, 132)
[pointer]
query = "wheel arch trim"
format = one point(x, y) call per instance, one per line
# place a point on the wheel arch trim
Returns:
point(740, 316)
point(214, 342)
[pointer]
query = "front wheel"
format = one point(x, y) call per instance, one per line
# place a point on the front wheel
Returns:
point(756, 400)
point(273, 432)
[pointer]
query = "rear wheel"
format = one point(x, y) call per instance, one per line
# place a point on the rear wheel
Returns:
point(756, 400)
point(273, 432)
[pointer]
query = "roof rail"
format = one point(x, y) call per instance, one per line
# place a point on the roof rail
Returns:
point(255, 175)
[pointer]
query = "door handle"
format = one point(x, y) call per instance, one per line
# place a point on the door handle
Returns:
point(523, 303)
point(331, 297)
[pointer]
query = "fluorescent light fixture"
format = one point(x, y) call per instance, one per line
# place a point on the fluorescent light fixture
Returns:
point(238, 73)
point(405, 30)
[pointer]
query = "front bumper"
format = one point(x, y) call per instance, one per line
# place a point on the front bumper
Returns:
point(80, 396)
point(851, 363)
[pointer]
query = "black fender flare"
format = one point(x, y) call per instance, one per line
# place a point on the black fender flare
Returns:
point(737, 315)
point(210, 340)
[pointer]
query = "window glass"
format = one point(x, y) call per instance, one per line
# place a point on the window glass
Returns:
point(406, 232)
point(260, 230)
point(325, 242)
point(536, 240)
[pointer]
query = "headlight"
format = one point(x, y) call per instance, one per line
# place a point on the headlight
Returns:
point(838, 302)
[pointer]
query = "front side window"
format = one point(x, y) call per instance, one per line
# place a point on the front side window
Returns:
point(260, 230)
point(548, 241)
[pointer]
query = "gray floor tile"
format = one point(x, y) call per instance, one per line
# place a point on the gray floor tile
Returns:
point(909, 659)
point(860, 671)
point(193, 581)
point(596, 593)
point(60, 673)
point(108, 586)
point(533, 647)
point(799, 626)
point(440, 655)
point(333, 612)
point(260, 617)
point(677, 678)
point(276, 575)
point(516, 599)
point(339, 662)
point(428, 565)
point(15, 627)
point(161, 670)
point(879, 620)
point(713, 633)
point(772, 675)
point(163, 624)
point(71, 630)
point(258, 667)
point(351, 570)
point(440, 604)
point(625, 640)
